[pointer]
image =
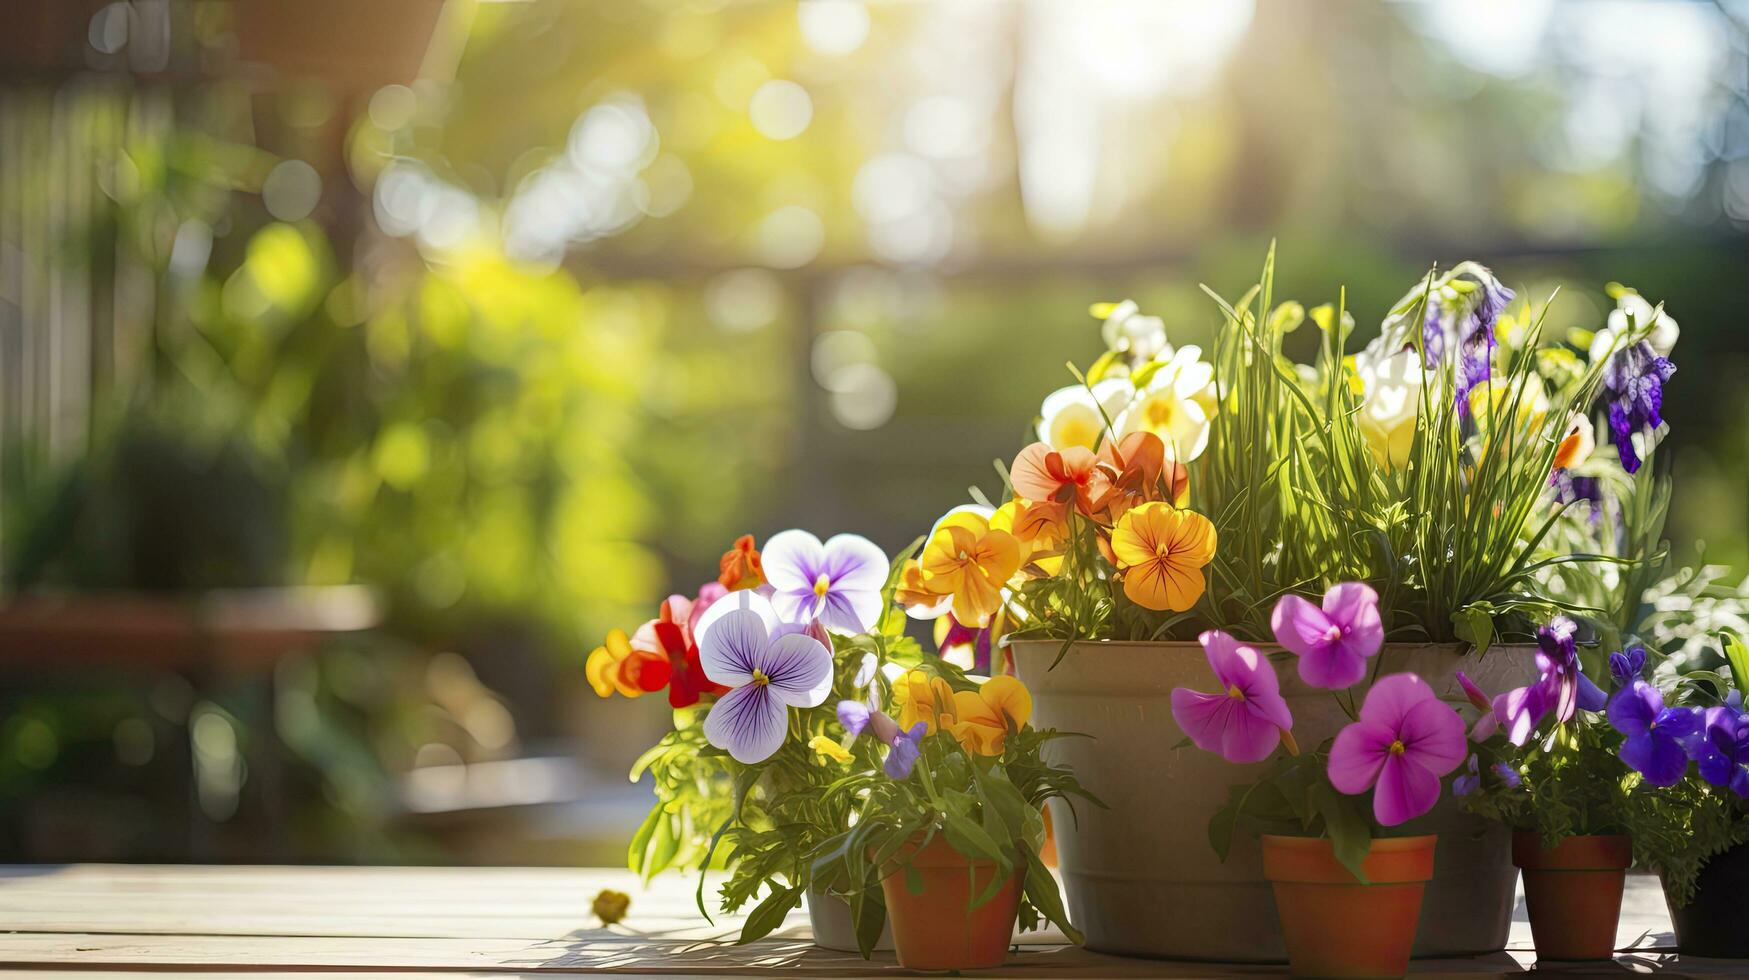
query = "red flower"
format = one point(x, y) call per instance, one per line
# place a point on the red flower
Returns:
point(740, 567)
point(669, 655)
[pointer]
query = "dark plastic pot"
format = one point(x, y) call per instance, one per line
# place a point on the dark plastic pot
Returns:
point(938, 928)
point(1336, 926)
point(1712, 924)
point(1573, 893)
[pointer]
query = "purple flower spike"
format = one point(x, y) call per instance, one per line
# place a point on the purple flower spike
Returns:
point(1334, 642)
point(1508, 775)
point(1627, 665)
point(769, 675)
point(1634, 379)
point(1244, 722)
point(838, 583)
point(1655, 734)
point(1405, 740)
point(1464, 311)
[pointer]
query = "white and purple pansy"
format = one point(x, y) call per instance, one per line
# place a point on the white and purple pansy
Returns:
point(769, 671)
point(838, 583)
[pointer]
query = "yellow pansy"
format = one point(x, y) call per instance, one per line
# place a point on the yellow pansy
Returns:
point(972, 562)
point(984, 717)
point(1041, 528)
point(1161, 551)
point(918, 697)
point(603, 668)
point(828, 749)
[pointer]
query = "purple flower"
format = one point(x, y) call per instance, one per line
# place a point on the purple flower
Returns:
point(769, 673)
point(1655, 734)
point(1405, 740)
point(1722, 749)
point(1634, 379)
point(1246, 720)
point(1508, 775)
point(1333, 642)
point(838, 583)
point(1561, 689)
point(903, 747)
point(1626, 666)
point(1464, 310)
point(1467, 782)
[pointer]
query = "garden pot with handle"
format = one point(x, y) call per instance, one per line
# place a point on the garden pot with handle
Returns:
point(938, 927)
point(1163, 892)
point(1337, 926)
point(1573, 893)
point(1712, 924)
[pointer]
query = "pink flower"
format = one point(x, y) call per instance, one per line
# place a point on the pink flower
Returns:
point(1489, 722)
point(1248, 718)
point(1333, 643)
point(1405, 740)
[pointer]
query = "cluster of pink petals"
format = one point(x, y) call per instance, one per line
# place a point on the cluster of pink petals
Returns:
point(1404, 742)
point(1245, 720)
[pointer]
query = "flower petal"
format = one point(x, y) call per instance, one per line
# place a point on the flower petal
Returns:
point(1433, 737)
point(740, 599)
point(1299, 626)
point(793, 560)
point(854, 716)
point(730, 648)
point(854, 563)
point(1354, 606)
point(1357, 755)
point(1405, 791)
point(1391, 697)
point(749, 722)
point(1202, 717)
point(1332, 667)
point(798, 669)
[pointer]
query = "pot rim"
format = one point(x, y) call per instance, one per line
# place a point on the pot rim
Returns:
point(1312, 861)
point(1579, 852)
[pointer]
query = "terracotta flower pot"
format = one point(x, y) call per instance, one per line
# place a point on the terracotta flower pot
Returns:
point(1712, 924)
point(938, 928)
point(1336, 926)
point(1573, 893)
point(1165, 893)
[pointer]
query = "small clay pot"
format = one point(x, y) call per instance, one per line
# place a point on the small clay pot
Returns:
point(1573, 892)
point(1336, 926)
point(938, 928)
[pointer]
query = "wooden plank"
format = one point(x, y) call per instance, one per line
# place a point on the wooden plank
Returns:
point(515, 921)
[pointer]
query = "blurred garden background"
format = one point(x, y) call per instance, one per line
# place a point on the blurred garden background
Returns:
point(362, 363)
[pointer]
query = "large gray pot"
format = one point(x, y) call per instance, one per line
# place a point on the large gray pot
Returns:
point(829, 920)
point(1141, 877)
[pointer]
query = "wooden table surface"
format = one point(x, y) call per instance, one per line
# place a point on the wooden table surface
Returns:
point(115, 920)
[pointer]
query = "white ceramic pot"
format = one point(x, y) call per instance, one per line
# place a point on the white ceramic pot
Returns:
point(829, 919)
point(1141, 878)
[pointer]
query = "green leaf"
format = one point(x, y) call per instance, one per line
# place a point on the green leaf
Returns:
point(869, 916)
point(769, 914)
point(1348, 828)
point(1474, 624)
point(972, 840)
point(1041, 891)
point(1737, 654)
point(637, 855)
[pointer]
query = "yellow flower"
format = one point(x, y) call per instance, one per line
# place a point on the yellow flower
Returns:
point(610, 906)
point(828, 749)
point(983, 718)
point(972, 562)
point(918, 697)
point(603, 668)
point(1161, 551)
point(1041, 528)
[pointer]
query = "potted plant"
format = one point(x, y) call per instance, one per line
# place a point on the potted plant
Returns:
point(947, 841)
point(1347, 896)
point(759, 807)
point(1169, 494)
point(1546, 766)
point(1688, 810)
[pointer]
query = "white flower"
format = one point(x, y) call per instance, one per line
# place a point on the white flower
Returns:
point(1390, 403)
point(1127, 331)
point(1577, 445)
point(1072, 416)
point(1176, 405)
point(1664, 333)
